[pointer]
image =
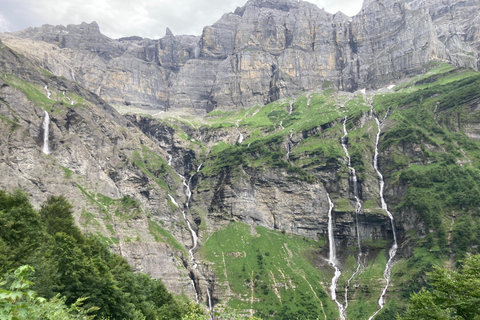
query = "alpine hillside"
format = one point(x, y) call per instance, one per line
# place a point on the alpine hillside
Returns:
point(288, 163)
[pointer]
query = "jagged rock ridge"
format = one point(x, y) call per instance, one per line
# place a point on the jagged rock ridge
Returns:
point(261, 52)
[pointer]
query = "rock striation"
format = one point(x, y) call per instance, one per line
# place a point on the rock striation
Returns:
point(263, 51)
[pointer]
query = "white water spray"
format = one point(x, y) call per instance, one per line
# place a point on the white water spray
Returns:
point(194, 238)
point(210, 304)
point(49, 94)
point(46, 131)
point(68, 98)
point(194, 235)
point(291, 107)
point(195, 289)
point(358, 206)
point(240, 137)
point(393, 250)
point(332, 259)
point(309, 97)
point(173, 201)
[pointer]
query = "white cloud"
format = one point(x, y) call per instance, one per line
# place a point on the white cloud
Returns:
point(4, 24)
point(146, 18)
point(349, 7)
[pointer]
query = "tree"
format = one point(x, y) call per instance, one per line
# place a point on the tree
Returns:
point(21, 230)
point(19, 302)
point(57, 214)
point(454, 294)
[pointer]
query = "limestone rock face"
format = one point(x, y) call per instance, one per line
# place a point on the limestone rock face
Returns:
point(393, 41)
point(265, 50)
point(90, 159)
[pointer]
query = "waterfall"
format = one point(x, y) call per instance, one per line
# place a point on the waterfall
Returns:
point(240, 137)
point(68, 98)
point(49, 94)
point(358, 206)
point(291, 107)
point(46, 131)
point(72, 73)
point(194, 238)
point(210, 304)
point(173, 200)
point(194, 235)
point(195, 289)
point(393, 250)
point(332, 259)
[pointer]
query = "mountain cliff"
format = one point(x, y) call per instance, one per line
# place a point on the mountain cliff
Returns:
point(299, 195)
point(263, 51)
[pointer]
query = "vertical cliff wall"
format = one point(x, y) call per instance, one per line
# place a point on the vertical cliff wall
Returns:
point(261, 52)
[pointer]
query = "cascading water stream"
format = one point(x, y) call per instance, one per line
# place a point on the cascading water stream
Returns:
point(49, 94)
point(291, 107)
point(358, 206)
point(393, 250)
point(194, 235)
point(210, 304)
point(332, 259)
point(195, 289)
point(240, 137)
point(46, 132)
point(68, 98)
point(72, 73)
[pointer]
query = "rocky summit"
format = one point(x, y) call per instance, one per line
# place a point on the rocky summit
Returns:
point(263, 51)
point(287, 163)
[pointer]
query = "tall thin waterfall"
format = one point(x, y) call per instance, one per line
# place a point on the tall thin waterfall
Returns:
point(46, 131)
point(49, 94)
point(240, 137)
point(393, 250)
point(358, 206)
point(332, 260)
point(210, 307)
point(194, 235)
point(72, 73)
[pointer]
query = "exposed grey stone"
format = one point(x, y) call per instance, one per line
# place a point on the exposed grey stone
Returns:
point(265, 50)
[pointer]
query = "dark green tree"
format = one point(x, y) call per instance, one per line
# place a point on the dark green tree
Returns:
point(57, 214)
point(21, 230)
point(454, 294)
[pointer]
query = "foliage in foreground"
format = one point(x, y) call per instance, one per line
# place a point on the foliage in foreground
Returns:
point(19, 302)
point(454, 294)
point(73, 266)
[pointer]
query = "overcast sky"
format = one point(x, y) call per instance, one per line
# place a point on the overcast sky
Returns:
point(145, 18)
